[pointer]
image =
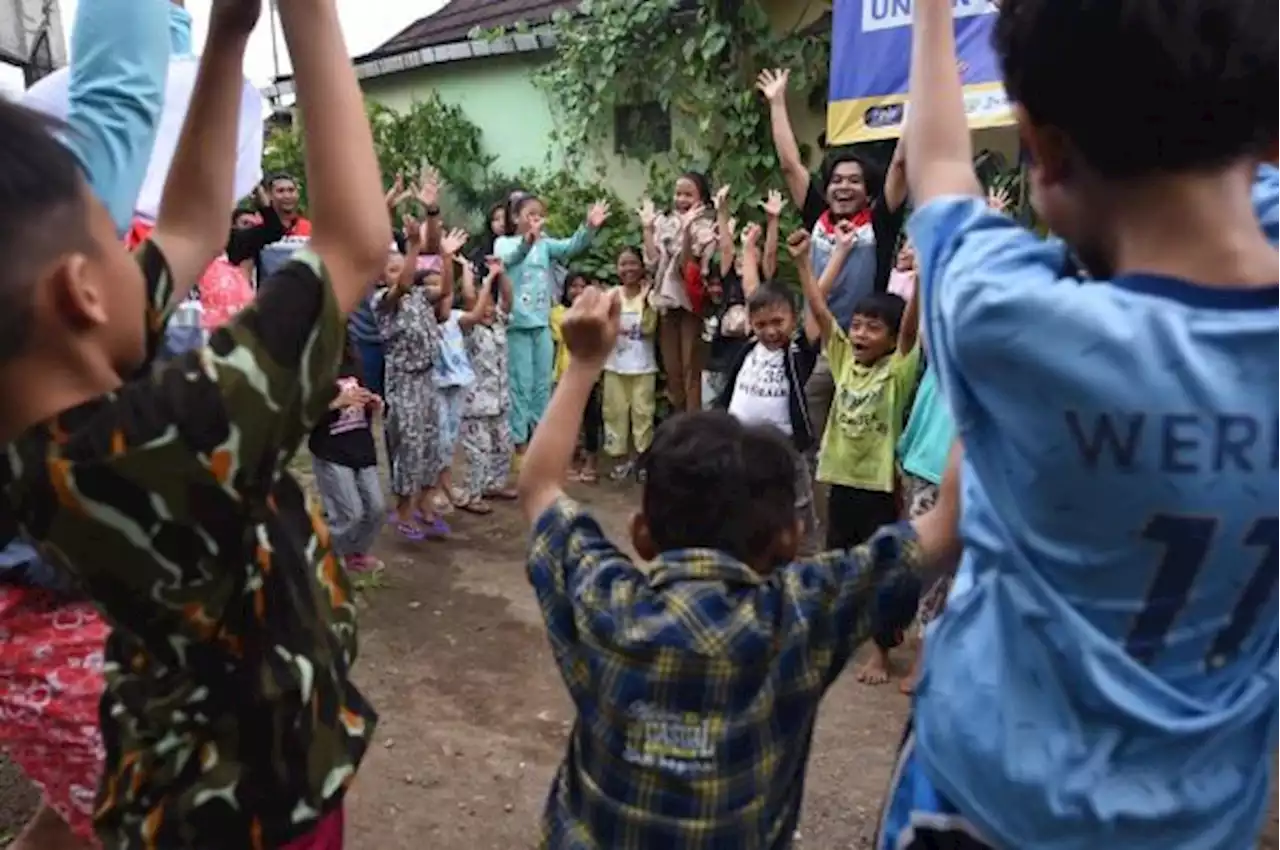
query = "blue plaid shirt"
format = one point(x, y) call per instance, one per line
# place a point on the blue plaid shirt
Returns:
point(697, 682)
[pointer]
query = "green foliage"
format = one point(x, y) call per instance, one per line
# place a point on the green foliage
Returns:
point(700, 60)
point(431, 131)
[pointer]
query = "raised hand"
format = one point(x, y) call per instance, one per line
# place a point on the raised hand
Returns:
point(260, 197)
point(721, 195)
point(772, 83)
point(798, 245)
point(428, 188)
point(773, 204)
point(648, 214)
point(397, 194)
point(597, 214)
point(750, 235)
point(998, 199)
point(451, 243)
point(413, 234)
point(846, 235)
point(691, 215)
point(590, 326)
point(235, 16)
point(493, 267)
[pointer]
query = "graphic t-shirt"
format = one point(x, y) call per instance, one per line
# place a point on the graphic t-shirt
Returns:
point(453, 367)
point(866, 415)
point(633, 353)
point(761, 394)
point(344, 437)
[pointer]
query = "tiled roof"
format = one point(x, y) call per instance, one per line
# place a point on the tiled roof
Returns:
point(455, 21)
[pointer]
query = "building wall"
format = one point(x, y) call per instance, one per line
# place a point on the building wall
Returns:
point(498, 95)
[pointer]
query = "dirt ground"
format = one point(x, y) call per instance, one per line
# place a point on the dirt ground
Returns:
point(474, 715)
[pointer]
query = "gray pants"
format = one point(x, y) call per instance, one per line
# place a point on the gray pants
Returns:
point(819, 393)
point(353, 505)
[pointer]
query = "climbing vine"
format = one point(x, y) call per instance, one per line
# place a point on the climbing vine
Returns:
point(697, 59)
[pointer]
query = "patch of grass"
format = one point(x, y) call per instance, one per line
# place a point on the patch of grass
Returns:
point(365, 582)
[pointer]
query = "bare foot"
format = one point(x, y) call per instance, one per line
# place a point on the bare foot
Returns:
point(876, 670)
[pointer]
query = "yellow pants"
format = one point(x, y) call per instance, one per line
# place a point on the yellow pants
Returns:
point(629, 404)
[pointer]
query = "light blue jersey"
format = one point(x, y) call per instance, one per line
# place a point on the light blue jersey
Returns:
point(1105, 675)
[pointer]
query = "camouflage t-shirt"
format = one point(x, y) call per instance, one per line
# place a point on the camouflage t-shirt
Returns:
point(229, 719)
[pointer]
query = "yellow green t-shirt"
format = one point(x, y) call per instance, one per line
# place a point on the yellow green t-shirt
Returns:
point(866, 415)
point(562, 352)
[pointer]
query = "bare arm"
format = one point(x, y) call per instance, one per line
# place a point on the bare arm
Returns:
point(750, 261)
point(475, 314)
point(191, 228)
point(817, 315)
point(909, 333)
point(450, 246)
point(937, 134)
point(507, 296)
point(770, 262)
point(349, 223)
point(895, 180)
point(773, 85)
point(832, 272)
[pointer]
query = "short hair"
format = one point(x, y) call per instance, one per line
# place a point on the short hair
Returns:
point(712, 482)
point(872, 177)
point(277, 176)
point(1165, 87)
point(43, 214)
point(770, 294)
point(884, 306)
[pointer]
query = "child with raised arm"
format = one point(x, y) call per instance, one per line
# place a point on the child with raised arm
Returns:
point(528, 257)
point(1105, 672)
point(876, 364)
point(697, 680)
point(228, 719)
point(486, 434)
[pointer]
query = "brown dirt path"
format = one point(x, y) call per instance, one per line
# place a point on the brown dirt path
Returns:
point(474, 715)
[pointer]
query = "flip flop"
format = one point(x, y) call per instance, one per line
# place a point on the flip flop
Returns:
point(409, 531)
point(476, 506)
point(587, 477)
point(505, 494)
point(437, 530)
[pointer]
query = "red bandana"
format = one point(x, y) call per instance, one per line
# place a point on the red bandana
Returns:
point(828, 224)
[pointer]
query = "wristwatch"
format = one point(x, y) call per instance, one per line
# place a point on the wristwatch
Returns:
point(433, 211)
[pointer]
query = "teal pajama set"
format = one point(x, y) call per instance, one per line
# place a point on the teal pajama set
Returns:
point(530, 351)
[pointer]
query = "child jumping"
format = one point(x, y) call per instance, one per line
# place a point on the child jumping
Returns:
point(875, 365)
point(229, 718)
point(1105, 671)
point(631, 372)
point(528, 257)
point(696, 699)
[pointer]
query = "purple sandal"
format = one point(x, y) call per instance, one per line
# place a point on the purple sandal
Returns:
point(410, 532)
point(437, 529)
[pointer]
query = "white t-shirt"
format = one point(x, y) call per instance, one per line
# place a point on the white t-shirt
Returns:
point(761, 394)
point(633, 353)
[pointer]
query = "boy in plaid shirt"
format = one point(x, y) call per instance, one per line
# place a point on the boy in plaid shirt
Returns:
point(697, 681)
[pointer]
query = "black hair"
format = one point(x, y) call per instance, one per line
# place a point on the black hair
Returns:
point(569, 279)
point(1166, 86)
point(712, 482)
point(884, 306)
point(872, 176)
point(516, 201)
point(703, 184)
point(770, 294)
point(276, 176)
point(43, 214)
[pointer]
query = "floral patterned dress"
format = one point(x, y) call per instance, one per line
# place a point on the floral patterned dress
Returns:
point(411, 337)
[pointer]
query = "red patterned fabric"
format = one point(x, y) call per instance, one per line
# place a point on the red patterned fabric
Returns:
point(224, 291)
point(50, 685)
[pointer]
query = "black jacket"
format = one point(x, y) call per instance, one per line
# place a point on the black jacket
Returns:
point(802, 354)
